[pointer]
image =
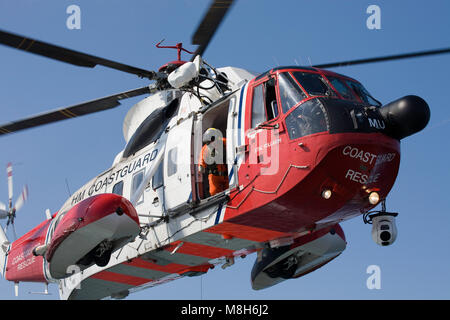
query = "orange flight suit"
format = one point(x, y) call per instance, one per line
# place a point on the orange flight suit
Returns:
point(217, 173)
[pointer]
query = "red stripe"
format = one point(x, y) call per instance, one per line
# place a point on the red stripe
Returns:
point(120, 278)
point(199, 250)
point(245, 232)
point(169, 268)
point(200, 268)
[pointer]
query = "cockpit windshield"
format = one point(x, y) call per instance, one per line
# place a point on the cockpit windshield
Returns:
point(362, 93)
point(296, 86)
point(290, 93)
point(313, 83)
point(340, 87)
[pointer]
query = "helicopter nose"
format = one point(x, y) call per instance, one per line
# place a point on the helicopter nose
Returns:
point(405, 116)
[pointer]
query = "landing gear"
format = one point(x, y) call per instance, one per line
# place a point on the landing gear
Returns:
point(384, 230)
point(100, 255)
point(283, 269)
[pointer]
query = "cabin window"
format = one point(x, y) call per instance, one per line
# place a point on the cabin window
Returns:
point(172, 162)
point(151, 128)
point(158, 180)
point(147, 132)
point(306, 119)
point(290, 93)
point(118, 188)
point(136, 182)
point(264, 105)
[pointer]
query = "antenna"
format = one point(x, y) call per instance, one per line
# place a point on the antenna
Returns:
point(178, 46)
point(67, 186)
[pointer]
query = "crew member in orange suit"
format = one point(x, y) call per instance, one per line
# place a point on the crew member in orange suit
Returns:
point(213, 160)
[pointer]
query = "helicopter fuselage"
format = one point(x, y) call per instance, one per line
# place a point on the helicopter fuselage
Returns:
point(299, 162)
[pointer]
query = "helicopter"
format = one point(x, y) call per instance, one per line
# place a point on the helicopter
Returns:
point(188, 98)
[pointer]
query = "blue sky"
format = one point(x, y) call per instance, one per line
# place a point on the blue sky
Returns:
point(256, 35)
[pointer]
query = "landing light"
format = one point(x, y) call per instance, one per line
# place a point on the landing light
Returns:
point(374, 198)
point(326, 194)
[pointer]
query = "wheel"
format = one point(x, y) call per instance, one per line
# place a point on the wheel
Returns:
point(102, 253)
point(284, 269)
point(103, 259)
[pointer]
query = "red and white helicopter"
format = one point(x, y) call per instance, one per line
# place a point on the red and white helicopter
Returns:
point(306, 149)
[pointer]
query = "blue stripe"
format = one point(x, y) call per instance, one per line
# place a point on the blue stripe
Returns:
point(240, 114)
point(231, 172)
point(218, 214)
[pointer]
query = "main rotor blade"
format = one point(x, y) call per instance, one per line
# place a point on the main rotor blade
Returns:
point(10, 184)
point(66, 55)
point(385, 58)
point(3, 212)
point(14, 230)
point(71, 112)
point(209, 24)
point(22, 198)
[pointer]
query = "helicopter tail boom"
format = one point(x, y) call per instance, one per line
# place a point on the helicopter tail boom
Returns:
point(4, 244)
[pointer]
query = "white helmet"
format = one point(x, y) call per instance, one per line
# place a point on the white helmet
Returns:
point(211, 135)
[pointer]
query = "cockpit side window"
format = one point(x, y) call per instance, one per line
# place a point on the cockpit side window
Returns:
point(264, 104)
point(258, 114)
point(271, 99)
point(313, 83)
point(290, 93)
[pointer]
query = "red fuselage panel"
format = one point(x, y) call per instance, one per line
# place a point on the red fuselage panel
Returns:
point(22, 265)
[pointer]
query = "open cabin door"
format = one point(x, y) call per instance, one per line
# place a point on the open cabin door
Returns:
point(178, 164)
point(232, 135)
point(222, 118)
